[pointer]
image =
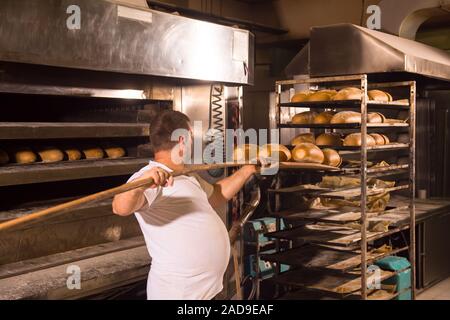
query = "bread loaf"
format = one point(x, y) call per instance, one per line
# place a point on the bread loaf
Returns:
point(324, 117)
point(306, 117)
point(375, 117)
point(72, 154)
point(354, 140)
point(324, 95)
point(329, 139)
point(4, 158)
point(346, 117)
point(275, 151)
point(300, 97)
point(115, 152)
point(50, 154)
point(25, 155)
point(332, 157)
point(93, 153)
point(348, 94)
point(308, 152)
point(380, 139)
point(246, 153)
point(378, 95)
point(303, 137)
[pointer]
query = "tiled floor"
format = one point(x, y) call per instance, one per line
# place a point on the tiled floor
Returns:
point(440, 291)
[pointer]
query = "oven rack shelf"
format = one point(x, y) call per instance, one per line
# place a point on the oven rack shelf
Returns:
point(394, 215)
point(342, 193)
point(326, 259)
point(18, 174)
point(344, 126)
point(343, 284)
point(344, 104)
point(65, 130)
point(334, 235)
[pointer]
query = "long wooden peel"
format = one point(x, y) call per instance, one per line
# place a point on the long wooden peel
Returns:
point(99, 196)
point(71, 205)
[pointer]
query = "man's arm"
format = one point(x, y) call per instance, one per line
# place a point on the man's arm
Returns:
point(125, 204)
point(226, 189)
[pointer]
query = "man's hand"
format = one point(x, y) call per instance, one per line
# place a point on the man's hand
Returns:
point(159, 176)
point(127, 203)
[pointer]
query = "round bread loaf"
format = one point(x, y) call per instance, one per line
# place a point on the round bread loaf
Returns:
point(329, 139)
point(380, 139)
point(73, 154)
point(307, 152)
point(306, 117)
point(50, 154)
point(300, 97)
point(346, 117)
point(277, 152)
point(320, 96)
point(115, 152)
point(354, 140)
point(93, 153)
point(376, 117)
point(246, 153)
point(332, 157)
point(4, 158)
point(378, 95)
point(348, 94)
point(25, 155)
point(303, 137)
point(324, 117)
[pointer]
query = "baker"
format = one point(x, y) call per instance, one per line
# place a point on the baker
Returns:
point(187, 240)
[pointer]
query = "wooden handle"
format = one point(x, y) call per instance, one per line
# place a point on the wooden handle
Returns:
point(99, 196)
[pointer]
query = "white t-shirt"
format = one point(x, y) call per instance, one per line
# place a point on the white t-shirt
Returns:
point(187, 240)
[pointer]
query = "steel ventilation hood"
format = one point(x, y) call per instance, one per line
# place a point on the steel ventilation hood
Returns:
point(346, 49)
point(122, 38)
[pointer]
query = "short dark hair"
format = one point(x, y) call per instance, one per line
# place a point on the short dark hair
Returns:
point(162, 127)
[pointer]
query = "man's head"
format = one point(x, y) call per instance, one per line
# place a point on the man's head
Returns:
point(163, 127)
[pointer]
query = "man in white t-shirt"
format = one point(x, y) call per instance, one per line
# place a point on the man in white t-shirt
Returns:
point(187, 240)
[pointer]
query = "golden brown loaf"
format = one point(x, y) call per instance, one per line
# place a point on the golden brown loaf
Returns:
point(300, 97)
point(380, 139)
point(277, 152)
point(375, 117)
point(25, 156)
point(4, 158)
point(354, 140)
point(332, 157)
point(72, 154)
point(329, 139)
point(378, 95)
point(324, 117)
point(303, 137)
point(307, 152)
point(306, 117)
point(324, 95)
point(246, 153)
point(115, 152)
point(93, 153)
point(51, 154)
point(348, 94)
point(346, 117)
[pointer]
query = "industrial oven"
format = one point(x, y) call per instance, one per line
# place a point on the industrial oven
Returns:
point(79, 83)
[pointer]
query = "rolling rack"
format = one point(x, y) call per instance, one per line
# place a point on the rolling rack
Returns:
point(322, 239)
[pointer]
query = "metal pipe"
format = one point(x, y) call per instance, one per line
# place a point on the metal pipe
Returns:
point(363, 187)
